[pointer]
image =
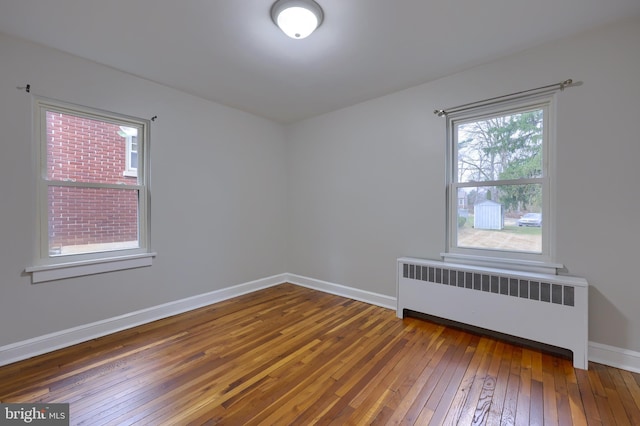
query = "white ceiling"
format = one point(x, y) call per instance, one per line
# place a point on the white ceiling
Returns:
point(230, 52)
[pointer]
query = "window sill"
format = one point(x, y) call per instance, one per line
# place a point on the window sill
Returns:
point(503, 263)
point(89, 267)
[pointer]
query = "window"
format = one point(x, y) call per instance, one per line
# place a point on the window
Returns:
point(89, 209)
point(499, 181)
point(130, 134)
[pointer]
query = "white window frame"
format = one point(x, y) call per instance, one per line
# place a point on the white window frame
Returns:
point(48, 267)
point(536, 262)
point(130, 171)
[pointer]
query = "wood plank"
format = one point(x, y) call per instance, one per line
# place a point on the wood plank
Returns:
point(536, 408)
point(489, 386)
point(431, 376)
point(513, 390)
point(498, 409)
point(510, 412)
point(614, 396)
point(468, 414)
point(456, 408)
point(378, 392)
point(444, 403)
point(632, 385)
point(286, 413)
point(405, 374)
point(600, 396)
point(631, 408)
point(439, 386)
point(562, 393)
point(438, 402)
point(416, 391)
point(590, 408)
point(549, 390)
point(576, 406)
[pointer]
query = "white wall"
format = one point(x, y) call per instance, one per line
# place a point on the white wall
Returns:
point(336, 198)
point(218, 198)
point(366, 183)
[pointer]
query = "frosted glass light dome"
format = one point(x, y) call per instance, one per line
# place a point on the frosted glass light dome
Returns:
point(297, 18)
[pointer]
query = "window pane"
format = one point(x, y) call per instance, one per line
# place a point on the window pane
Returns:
point(81, 149)
point(505, 217)
point(134, 160)
point(132, 149)
point(501, 147)
point(86, 220)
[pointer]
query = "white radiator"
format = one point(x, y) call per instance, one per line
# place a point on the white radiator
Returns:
point(551, 309)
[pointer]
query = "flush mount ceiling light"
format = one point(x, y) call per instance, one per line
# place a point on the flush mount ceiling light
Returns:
point(297, 18)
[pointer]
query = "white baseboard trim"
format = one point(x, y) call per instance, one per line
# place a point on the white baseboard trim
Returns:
point(604, 354)
point(61, 339)
point(612, 356)
point(341, 290)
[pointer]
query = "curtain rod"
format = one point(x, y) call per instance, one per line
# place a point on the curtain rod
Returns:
point(27, 89)
point(542, 89)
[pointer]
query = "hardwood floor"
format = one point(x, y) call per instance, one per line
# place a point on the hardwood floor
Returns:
point(290, 355)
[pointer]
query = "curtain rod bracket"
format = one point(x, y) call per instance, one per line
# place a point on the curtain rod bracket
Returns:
point(26, 88)
point(565, 83)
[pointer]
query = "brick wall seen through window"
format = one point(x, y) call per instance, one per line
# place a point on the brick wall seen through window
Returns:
point(81, 149)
